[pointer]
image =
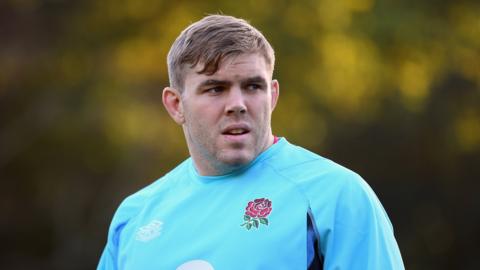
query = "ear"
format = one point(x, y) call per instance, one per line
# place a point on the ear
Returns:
point(275, 93)
point(172, 100)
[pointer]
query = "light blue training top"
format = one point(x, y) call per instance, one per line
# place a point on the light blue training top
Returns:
point(285, 209)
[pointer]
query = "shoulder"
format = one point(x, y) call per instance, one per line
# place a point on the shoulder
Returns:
point(132, 205)
point(324, 183)
point(303, 167)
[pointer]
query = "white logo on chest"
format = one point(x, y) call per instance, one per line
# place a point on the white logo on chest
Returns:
point(196, 265)
point(150, 231)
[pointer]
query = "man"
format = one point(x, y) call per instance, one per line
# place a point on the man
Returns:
point(245, 199)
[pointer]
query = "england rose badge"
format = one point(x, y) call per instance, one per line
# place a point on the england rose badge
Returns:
point(256, 213)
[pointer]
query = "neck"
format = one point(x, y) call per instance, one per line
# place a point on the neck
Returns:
point(208, 165)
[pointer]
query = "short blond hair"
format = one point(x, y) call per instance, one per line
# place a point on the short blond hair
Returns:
point(211, 40)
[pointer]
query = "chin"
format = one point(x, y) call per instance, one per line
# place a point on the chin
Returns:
point(237, 159)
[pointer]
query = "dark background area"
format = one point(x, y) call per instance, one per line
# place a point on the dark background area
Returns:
point(390, 89)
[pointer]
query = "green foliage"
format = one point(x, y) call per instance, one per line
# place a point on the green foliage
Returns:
point(389, 88)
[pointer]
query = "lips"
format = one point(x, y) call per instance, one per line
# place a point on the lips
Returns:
point(236, 130)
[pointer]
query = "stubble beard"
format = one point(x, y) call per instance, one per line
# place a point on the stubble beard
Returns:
point(219, 159)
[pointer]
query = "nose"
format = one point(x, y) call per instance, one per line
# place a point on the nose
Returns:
point(236, 102)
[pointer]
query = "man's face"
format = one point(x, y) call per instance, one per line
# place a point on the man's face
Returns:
point(227, 114)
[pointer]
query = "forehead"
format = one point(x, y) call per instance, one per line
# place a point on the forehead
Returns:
point(231, 68)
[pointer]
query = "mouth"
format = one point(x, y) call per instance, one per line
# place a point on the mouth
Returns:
point(236, 130)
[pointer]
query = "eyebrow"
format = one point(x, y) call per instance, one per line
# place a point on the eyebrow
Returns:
point(211, 82)
point(256, 79)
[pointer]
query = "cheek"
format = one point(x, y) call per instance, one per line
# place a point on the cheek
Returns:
point(201, 121)
point(195, 113)
point(263, 114)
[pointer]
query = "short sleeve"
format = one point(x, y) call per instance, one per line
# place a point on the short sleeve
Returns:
point(127, 210)
point(358, 233)
point(108, 260)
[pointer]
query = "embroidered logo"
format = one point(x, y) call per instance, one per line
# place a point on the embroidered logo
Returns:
point(149, 231)
point(256, 213)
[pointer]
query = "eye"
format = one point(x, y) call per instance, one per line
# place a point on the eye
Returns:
point(214, 90)
point(254, 87)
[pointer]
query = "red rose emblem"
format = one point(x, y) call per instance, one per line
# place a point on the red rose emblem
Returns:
point(256, 213)
point(259, 208)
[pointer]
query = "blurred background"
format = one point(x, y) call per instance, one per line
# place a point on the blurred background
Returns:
point(390, 89)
